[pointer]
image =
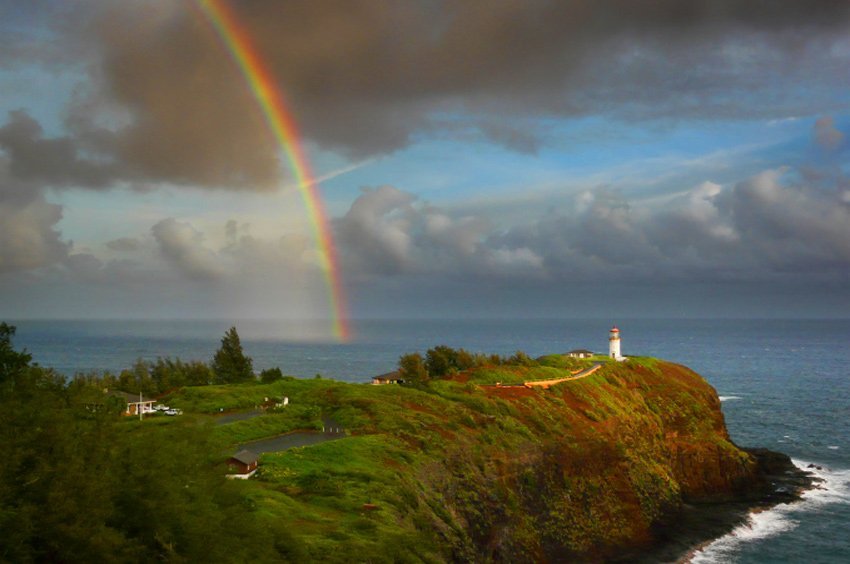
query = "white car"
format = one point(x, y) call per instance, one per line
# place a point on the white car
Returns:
point(174, 412)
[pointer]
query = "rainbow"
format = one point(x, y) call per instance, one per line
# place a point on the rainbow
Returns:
point(285, 131)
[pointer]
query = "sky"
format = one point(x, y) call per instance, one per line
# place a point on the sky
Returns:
point(498, 158)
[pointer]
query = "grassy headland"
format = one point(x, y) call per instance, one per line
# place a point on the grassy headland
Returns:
point(448, 467)
point(459, 468)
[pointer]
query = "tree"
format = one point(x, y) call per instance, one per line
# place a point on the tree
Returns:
point(521, 359)
point(11, 361)
point(411, 368)
point(229, 363)
point(441, 361)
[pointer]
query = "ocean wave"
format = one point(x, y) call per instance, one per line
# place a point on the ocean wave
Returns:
point(833, 488)
point(729, 398)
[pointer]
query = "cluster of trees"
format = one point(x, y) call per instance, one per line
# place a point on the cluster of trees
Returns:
point(443, 361)
point(80, 485)
point(152, 378)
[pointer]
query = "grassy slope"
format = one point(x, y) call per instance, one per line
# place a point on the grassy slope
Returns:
point(461, 471)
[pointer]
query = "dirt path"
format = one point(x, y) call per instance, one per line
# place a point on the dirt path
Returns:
point(548, 383)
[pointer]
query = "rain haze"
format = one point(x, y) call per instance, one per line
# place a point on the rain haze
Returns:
point(499, 158)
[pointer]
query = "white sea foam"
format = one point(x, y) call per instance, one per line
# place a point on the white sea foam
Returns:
point(834, 488)
point(832, 447)
point(729, 398)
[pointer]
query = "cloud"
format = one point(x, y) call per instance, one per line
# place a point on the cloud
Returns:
point(826, 134)
point(183, 247)
point(28, 239)
point(766, 226)
point(124, 244)
point(370, 78)
point(377, 230)
point(52, 162)
point(28, 235)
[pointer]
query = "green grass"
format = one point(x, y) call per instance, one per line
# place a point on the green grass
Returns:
point(498, 374)
point(448, 464)
point(290, 419)
point(240, 397)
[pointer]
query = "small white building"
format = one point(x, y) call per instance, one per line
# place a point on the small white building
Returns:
point(135, 403)
point(580, 353)
point(614, 344)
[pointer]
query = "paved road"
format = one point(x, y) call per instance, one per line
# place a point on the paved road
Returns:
point(289, 440)
point(332, 431)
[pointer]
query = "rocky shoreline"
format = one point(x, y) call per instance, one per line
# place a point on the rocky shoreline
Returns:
point(701, 521)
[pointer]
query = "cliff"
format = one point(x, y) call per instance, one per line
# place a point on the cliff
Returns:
point(600, 468)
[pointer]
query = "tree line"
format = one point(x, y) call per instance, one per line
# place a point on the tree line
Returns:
point(443, 361)
point(229, 365)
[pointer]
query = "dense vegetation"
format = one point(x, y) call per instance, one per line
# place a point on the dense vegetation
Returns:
point(80, 483)
point(154, 378)
point(451, 467)
point(443, 362)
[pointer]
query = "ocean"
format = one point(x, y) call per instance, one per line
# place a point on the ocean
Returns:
point(784, 385)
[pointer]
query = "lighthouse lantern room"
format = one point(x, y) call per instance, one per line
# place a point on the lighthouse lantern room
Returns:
point(614, 344)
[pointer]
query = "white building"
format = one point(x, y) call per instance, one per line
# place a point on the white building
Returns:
point(614, 344)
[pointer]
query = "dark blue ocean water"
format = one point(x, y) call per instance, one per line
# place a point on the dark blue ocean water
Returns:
point(785, 384)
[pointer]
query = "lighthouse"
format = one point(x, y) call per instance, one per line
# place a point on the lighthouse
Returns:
point(614, 344)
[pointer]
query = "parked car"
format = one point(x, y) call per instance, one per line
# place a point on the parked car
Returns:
point(174, 412)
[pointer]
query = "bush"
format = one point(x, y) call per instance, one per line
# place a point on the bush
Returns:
point(270, 375)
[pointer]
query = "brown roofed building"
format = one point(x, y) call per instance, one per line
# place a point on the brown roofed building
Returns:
point(388, 378)
point(243, 464)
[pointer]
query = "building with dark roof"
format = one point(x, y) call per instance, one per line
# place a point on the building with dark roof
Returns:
point(243, 464)
point(388, 378)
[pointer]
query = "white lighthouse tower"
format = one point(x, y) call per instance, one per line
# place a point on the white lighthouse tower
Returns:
point(614, 344)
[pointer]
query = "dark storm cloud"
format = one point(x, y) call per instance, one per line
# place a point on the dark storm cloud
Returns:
point(365, 77)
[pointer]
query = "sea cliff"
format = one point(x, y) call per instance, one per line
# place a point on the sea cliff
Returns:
point(632, 461)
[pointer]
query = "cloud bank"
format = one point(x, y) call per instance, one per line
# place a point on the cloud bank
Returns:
point(164, 102)
point(762, 227)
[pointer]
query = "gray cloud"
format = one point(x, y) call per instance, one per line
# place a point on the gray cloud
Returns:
point(378, 231)
point(124, 244)
point(183, 247)
point(768, 226)
point(52, 162)
point(28, 237)
point(364, 78)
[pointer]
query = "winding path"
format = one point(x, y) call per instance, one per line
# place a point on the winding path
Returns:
point(545, 384)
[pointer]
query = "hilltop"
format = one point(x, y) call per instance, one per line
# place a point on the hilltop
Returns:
point(463, 469)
